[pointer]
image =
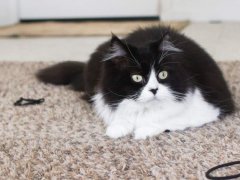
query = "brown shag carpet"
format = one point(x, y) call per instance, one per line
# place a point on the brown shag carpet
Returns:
point(63, 139)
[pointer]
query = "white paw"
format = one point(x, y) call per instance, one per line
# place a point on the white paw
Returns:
point(117, 131)
point(144, 132)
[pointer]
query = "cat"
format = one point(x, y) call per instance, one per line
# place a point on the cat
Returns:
point(153, 80)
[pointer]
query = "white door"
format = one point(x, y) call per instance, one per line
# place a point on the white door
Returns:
point(74, 9)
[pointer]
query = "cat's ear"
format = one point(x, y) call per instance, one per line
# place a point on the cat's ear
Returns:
point(166, 44)
point(117, 49)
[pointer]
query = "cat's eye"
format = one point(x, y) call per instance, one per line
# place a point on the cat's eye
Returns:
point(137, 78)
point(163, 75)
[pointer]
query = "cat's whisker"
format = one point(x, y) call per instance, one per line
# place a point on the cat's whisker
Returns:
point(166, 54)
point(181, 94)
point(178, 93)
point(169, 55)
point(112, 102)
point(178, 43)
point(118, 94)
point(162, 56)
point(128, 58)
point(135, 60)
point(179, 97)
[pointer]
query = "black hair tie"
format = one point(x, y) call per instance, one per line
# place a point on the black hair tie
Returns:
point(209, 176)
point(26, 102)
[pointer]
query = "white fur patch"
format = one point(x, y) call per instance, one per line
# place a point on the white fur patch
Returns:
point(153, 114)
point(162, 93)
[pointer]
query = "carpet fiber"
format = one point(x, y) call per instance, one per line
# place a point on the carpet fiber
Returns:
point(63, 139)
point(43, 29)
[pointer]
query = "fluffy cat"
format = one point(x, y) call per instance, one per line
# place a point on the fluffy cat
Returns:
point(153, 80)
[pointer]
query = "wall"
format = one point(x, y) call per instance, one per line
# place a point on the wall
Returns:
point(200, 10)
point(8, 12)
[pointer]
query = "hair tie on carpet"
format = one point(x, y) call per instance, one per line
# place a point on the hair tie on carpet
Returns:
point(26, 102)
point(209, 176)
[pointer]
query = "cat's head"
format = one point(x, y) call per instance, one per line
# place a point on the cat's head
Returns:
point(155, 72)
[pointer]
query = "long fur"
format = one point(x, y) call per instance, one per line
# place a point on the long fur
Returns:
point(64, 73)
point(193, 94)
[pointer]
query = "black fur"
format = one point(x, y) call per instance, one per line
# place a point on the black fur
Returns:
point(65, 73)
point(189, 68)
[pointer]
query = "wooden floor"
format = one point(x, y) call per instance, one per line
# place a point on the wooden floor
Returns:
point(57, 29)
point(219, 40)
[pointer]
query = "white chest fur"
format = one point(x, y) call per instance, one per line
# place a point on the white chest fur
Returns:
point(153, 117)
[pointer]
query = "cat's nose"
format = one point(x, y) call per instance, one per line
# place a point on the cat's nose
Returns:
point(154, 91)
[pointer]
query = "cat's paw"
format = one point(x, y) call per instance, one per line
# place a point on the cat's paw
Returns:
point(117, 131)
point(144, 132)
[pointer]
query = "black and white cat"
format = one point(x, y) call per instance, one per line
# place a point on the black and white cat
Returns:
point(153, 80)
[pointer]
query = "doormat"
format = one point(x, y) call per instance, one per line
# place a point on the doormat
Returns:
point(55, 29)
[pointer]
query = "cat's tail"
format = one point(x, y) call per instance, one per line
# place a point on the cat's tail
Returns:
point(65, 73)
